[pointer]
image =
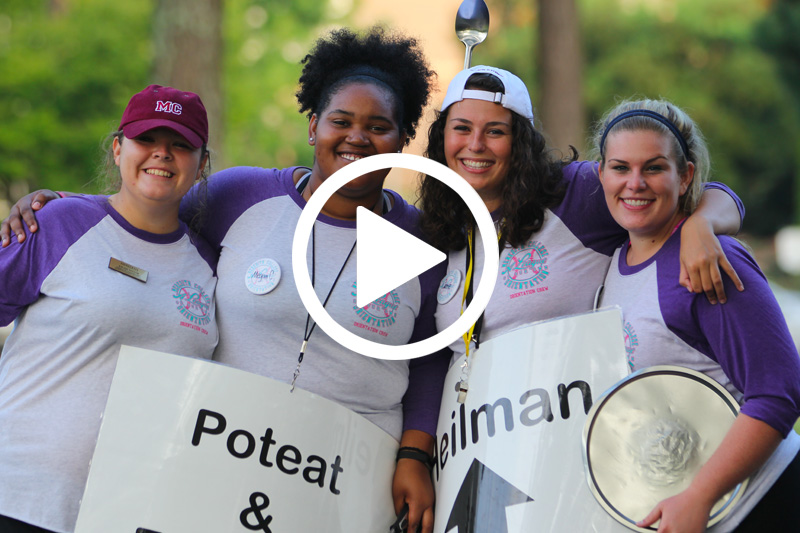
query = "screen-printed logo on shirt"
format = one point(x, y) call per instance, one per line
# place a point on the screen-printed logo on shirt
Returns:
point(192, 302)
point(631, 342)
point(379, 313)
point(524, 268)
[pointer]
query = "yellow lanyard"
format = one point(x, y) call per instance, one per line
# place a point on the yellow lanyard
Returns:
point(463, 385)
point(467, 283)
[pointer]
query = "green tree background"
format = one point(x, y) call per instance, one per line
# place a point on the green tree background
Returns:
point(67, 68)
point(734, 65)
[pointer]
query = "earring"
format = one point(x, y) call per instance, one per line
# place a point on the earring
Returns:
point(311, 140)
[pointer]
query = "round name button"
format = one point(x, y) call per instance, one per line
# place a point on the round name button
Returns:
point(448, 287)
point(262, 276)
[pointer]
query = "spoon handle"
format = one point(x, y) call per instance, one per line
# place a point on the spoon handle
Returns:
point(468, 55)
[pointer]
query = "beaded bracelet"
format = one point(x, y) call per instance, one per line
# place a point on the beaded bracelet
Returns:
point(409, 452)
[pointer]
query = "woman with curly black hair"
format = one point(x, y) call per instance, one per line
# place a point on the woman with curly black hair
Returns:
point(555, 231)
point(364, 95)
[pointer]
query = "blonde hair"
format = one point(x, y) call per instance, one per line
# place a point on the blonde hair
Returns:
point(697, 150)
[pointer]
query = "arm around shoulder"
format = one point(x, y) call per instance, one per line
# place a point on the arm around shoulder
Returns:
point(720, 212)
point(22, 215)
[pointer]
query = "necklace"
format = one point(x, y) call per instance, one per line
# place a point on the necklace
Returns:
point(310, 326)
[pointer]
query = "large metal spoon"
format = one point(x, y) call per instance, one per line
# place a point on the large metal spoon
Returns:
point(472, 25)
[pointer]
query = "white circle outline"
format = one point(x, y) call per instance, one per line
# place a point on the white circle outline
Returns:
point(314, 206)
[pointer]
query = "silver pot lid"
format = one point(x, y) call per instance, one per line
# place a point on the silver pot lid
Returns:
point(648, 435)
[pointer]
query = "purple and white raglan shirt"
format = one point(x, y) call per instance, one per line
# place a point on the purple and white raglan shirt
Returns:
point(262, 320)
point(71, 313)
point(743, 344)
point(556, 272)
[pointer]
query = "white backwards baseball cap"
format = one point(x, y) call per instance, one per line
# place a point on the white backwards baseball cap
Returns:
point(516, 97)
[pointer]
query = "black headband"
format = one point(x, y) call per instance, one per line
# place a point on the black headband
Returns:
point(651, 114)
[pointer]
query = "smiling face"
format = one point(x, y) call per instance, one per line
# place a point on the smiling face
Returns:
point(157, 168)
point(478, 145)
point(358, 122)
point(642, 183)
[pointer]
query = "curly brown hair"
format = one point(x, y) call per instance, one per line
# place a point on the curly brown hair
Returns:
point(533, 183)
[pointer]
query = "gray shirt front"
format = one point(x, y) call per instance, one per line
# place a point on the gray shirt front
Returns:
point(72, 313)
point(254, 212)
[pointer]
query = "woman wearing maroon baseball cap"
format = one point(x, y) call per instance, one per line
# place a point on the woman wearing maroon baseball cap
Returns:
point(151, 183)
point(103, 271)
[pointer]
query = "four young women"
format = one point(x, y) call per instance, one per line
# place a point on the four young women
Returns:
point(556, 233)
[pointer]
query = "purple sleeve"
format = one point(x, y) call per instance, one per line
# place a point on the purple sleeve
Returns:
point(585, 212)
point(424, 395)
point(751, 341)
point(733, 195)
point(425, 374)
point(230, 193)
point(209, 254)
point(25, 266)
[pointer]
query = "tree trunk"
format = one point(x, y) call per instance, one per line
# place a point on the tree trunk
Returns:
point(187, 36)
point(560, 64)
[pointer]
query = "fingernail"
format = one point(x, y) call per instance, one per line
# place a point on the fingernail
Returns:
point(33, 227)
point(19, 237)
point(722, 300)
point(36, 205)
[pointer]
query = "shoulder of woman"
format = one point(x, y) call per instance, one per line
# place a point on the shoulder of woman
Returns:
point(244, 177)
point(739, 253)
point(581, 170)
point(80, 209)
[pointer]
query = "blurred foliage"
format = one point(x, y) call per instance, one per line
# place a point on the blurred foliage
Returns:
point(265, 43)
point(702, 56)
point(67, 68)
point(66, 72)
point(777, 34)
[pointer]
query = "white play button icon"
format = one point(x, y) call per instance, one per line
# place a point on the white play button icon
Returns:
point(398, 255)
point(378, 239)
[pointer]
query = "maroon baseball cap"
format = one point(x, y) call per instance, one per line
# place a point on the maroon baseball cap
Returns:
point(158, 106)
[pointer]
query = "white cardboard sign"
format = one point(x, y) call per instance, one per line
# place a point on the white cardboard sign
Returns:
point(190, 446)
point(510, 459)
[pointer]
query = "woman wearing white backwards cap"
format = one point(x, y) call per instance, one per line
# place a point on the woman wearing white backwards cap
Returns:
point(105, 271)
point(555, 231)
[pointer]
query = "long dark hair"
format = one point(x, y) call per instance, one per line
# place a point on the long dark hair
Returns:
point(533, 183)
